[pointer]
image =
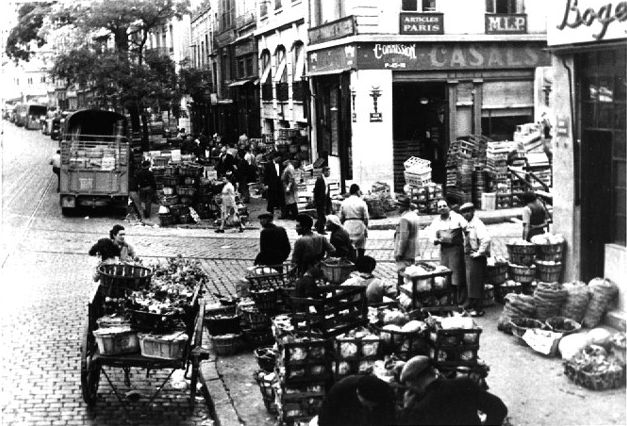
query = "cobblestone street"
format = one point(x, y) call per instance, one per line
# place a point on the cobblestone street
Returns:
point(46, 276)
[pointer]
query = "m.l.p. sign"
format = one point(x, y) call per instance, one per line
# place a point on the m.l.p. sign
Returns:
point(505, 23)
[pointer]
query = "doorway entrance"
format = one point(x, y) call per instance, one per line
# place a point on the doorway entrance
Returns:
point(419, 113)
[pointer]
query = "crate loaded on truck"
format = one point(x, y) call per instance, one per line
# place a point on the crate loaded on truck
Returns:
point(95, 160)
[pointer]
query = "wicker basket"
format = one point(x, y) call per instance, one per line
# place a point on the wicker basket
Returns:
point(497, 273)
point(548, 273)
point(611, 379)
point(522, 274)
point(169, 347)
point(277, 276)
point(254, 319)
point(521, 254)
point(118, 278)
point(553, 252)
point(520, 325)
point(227, 344)
point(266, 300)
point(266, 387)
point(117, 340)
point(563, 325)
point(266, 358)
point(223, 324)
point(336, 272)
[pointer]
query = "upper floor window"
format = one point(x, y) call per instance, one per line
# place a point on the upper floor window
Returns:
point(281, 67)
point(263, 9)
point(298, 61)
point(277, 4)
point(249, 66)
point(266, 66)
point(328, 11)
point(418, 5)
point(504, 6)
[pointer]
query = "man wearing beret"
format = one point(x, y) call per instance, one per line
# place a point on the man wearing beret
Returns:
point(274, 246)
point(310, 248)
point(476, 253)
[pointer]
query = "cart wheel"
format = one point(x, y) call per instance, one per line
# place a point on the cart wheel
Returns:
point(90, 370)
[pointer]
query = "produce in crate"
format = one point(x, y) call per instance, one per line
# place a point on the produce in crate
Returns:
point(163, 346)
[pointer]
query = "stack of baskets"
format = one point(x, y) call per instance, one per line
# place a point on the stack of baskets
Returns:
point(257, 331)
point(223, 325)
point(417, 172)
point(336, 271)
point(549, 261)
point(270, 286)
point(521, 262)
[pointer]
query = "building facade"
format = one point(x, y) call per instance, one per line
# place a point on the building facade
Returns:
point(589, 43)
point(406, 77)
point(281, 38)
point(202, 31)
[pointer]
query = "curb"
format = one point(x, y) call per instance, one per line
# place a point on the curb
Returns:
point(488, 217)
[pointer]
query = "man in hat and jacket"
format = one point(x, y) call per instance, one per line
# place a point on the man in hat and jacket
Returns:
point(273, 186)
point(440, 401)
point(406, 237)
point(146, 186)
point(274, 246)
point(310, 248)
point(322, 199)
point(476, 253)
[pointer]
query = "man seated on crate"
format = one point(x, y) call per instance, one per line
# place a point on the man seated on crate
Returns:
point(274, 245)
point(358, 400)
point(436, 400)
point(310, 248)
point(377, 290)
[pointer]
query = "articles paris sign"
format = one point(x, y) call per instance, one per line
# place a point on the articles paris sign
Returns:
point(585, 21)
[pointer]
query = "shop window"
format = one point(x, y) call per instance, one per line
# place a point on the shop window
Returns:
point(418, 5)
point(504, 6)
point(500, 125)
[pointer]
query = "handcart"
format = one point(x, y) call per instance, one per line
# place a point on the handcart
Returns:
point(93, 361)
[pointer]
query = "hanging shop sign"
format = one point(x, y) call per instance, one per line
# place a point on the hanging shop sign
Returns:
point(505, 23)
point(585, 21)
point(336, 58)
point(421, 23)
point(450, 56)
point(332, 30)
point(376, 116)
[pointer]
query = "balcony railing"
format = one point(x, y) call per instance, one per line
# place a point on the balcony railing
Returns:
point(245, 19)
point(282, 92)
point(266, 91)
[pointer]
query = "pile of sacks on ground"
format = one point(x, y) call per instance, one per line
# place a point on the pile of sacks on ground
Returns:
point(584, 304)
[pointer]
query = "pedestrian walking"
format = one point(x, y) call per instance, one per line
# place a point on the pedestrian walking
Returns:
point(290, 189)
point(225, 163)
point(447, 231)
point(354, 216)
point(434, 400)
point(274, 245)
point(406, 237)
point(535, 217)
point(340, 239)
point(55, 161)
point(273, 186)
point(476, 251)
point(146, 186)
point(117, 234)
point(229, 215)
point(322, 199)
point(243, 171)
point(310, 248)
point(358, 400)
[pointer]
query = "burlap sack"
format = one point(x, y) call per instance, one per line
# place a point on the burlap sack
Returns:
point(549, 298)
point(516, 306)
point(577, 300)
point(602, 295)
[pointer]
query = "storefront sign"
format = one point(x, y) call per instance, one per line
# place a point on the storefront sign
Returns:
point(505, 24)
point(354, 114)
point(421, 23)
point(562, 126)
point(584, 21)
point(333, 30)
point(449, 56)
point(336, 58)
point(244, 48)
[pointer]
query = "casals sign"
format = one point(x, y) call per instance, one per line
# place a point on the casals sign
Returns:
point(585, 21)
point(421, 23)
point(449, 56)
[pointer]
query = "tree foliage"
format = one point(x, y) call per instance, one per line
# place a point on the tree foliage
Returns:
point(30, 19)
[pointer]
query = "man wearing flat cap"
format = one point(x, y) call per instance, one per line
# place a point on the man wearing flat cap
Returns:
point(476, 253)
point(310, 248)
point(439, 401)
point(359, 400)
point(406, 236)
point(274, 246)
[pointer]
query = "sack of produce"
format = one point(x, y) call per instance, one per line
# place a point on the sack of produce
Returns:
point(516, 306)
point(549, 298)
point(602, 294)
point(577, 300)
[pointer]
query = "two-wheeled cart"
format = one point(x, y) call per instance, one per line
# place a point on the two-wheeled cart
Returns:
point(93, 361)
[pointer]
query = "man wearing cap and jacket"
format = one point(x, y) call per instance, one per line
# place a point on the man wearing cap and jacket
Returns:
point(274, 246)
point(310, 248)
point(476, 253)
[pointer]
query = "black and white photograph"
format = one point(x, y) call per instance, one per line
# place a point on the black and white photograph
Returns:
point(313, 212)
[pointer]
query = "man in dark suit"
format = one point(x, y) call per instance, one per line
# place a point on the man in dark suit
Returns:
point(322, 199)
point(274, 246)
point(273, 186)
point(226, 163)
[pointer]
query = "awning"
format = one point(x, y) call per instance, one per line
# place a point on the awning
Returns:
point(243, 82)
point(327, 72)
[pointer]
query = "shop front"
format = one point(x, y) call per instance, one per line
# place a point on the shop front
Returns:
point(397, 100)
point(589, 44)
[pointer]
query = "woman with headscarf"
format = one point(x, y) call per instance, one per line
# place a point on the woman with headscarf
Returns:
point(340, 239)
point(354, 216)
